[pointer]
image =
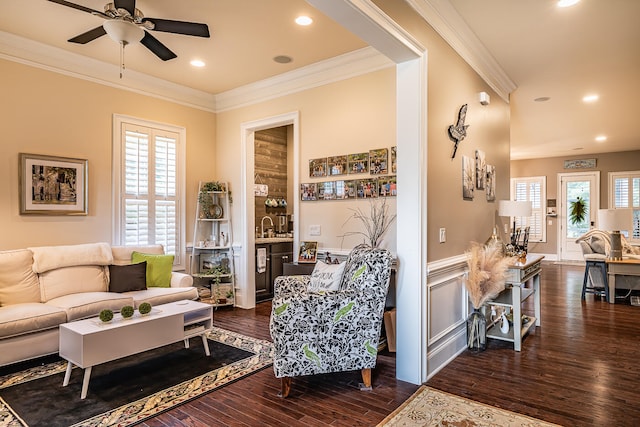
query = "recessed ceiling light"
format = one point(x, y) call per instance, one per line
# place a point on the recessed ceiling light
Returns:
point(601, 138)
point(197, 63)
point(282, 59)
point(567, 3)
point(590, 98)
point(542, 99)
point(304, 20)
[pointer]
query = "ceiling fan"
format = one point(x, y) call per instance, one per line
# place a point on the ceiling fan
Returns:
point(126, 24)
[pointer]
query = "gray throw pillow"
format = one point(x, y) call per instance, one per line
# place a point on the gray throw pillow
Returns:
point(597, 244)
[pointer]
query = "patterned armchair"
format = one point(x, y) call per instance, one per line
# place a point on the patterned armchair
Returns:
point(332, 331)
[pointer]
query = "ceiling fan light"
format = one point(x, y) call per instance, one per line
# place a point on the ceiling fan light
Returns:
point(123, 31)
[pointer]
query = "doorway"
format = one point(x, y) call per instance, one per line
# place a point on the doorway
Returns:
point(576, 188)
point(246, 298)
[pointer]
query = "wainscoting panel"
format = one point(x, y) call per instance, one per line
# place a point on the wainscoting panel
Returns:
point(447, 312)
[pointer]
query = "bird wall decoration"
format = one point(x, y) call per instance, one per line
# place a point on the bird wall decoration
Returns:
point(458, 131)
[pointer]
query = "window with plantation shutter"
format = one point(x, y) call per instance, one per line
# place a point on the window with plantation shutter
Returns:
point(624, 192)
point(532, 189)
point(148, 182)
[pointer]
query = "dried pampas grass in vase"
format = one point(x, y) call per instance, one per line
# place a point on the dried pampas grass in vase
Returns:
point(485, 280)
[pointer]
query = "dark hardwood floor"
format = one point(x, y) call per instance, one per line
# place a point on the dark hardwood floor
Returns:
point(580, 368)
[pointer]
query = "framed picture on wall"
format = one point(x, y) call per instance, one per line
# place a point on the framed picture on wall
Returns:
point(378, 161)
point(367, 188)
point(307, 252)
point(327, 190)
point(358, 163)
point(481, 170)
point(309, 191)
point(467, 178)
point(318, 167)
point(387, 186)
point(51, 185)
point(491, 183)
point(394, 159)
point(337, 165)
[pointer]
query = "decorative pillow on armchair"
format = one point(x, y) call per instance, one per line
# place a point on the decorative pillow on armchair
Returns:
point(326, 277)
point(158, 268)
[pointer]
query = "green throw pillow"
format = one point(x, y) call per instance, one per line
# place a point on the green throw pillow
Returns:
point(158, 268)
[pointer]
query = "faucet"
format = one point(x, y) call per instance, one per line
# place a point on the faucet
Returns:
point(262, 224)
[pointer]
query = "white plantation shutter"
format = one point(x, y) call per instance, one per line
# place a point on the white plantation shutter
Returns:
point(149, 182)
point(532, 189)
point(625, 193)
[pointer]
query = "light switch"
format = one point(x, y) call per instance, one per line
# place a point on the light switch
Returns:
point(314, 230)
point(443, 235)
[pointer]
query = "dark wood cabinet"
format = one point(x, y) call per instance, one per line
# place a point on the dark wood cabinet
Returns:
point(277, 255)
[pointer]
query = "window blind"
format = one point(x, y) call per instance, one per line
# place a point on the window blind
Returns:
point(149, 190)
point(531, 189)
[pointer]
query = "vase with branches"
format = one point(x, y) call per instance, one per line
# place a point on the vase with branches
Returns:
point(485, 280)
point(375, 223)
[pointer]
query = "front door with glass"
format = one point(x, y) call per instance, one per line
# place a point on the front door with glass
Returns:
point(579, 204)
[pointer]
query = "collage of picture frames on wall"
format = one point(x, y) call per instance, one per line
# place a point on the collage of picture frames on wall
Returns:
point(360, 175)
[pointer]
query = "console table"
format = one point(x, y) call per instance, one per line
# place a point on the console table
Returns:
point(516, 291)
point(623, 267)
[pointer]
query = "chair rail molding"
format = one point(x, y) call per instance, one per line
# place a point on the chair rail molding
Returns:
point(447, 304)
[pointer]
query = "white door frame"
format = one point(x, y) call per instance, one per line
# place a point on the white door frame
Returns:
point(562, 211)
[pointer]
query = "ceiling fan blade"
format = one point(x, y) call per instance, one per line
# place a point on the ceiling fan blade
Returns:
point(154, 45)
point(79, 7)
point(128, 5)
point(179, 27)
point(89, 35)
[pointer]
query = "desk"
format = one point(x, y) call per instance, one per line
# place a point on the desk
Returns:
point(624, 267)
point(515, 293)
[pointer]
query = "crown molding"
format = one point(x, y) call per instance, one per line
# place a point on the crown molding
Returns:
point(447, 22)
point(338, 68)
point(19, 49)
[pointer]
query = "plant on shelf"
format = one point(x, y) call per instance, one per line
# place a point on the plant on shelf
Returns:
point(205, 200)
point(577, 211)
point(217, 272)
point(485, 280)
point(106, 315)
point(126, 311)
point(376, 223)
point(145, 308)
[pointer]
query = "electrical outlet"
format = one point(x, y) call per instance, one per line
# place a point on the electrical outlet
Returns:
point(443, 235)
point(314, 230)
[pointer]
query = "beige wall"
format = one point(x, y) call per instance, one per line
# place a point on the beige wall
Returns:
point(49, 113)
point(349, 116)
point(452, 83)
point(551, 167)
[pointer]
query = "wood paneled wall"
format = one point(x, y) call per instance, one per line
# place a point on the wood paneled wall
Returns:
point(271, 169)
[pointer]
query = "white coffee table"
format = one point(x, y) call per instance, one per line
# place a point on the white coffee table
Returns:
point(89, 342)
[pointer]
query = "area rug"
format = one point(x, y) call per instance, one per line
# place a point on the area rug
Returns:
point(129, 390)
point(431, 407)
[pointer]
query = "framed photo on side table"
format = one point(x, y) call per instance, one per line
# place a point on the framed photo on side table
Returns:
point(308, 252)
point(51, 185)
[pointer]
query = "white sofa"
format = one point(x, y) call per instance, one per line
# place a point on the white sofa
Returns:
point(43, 287)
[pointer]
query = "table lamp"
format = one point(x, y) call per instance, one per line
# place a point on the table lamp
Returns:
point(513, 208)
point(614, 220)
